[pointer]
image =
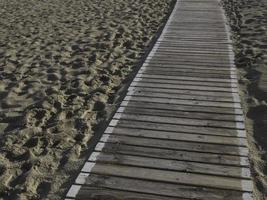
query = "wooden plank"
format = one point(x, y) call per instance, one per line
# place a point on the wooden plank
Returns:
point(172, 86)
point(158, 189)
point(186, 91)
point(171, 59)
point(99, 193)
point(210, 39)
point(214, 48)
point(189, 74)
point(154, 152)
point(183, 102)
point(184, 50)
point(177, 68)
point(173, 165)
point(173, 177)
point(173, 64)
point(176, 145)
point(155, 93)
point(177, 136)
point(177, 52)
point(180, 120)
point(184, 78)
point(185, 82)
point(182, 128)
point(180, 114)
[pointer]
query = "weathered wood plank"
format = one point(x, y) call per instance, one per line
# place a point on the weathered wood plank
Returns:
point(185, 91)
point(184, 102)
point(177, 68)
point(173, 177)
point(176, 145)
point(182, 155)
point(143, 83)
point(182, 128)
point(180, 120)
point(181, 114)
point(160, 189)
point(181, 95)
point(184, 78)
point(99, 193)
point(177, 136)
point(190, 74)
point(181, 166)
point(183, 82)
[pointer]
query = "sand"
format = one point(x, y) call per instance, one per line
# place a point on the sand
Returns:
point(248, 20)
point(62, 63)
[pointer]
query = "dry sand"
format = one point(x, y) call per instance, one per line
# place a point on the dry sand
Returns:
point(248, 20)
point(61, 64)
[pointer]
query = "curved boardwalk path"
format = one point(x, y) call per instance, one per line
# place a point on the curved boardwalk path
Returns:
point(179, 133)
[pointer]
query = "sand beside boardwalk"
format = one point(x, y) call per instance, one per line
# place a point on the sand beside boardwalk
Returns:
point(248, 20)
point(61, 63)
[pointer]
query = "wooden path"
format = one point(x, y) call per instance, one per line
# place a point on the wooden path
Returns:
point(179, 133)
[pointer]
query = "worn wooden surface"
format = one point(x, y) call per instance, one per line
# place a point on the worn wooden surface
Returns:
point(179, 132)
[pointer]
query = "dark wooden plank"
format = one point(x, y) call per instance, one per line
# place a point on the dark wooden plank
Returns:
point(180, 120)
point(187, 63)
point(181, 114)
point(177, 68)
point(190, 74)
point(158, 189)
point(184, 78)
point(181, 95)
point(173, 165)
point(183, 102)
point(173, 86)
point(154, 152)
point(176, 145)
point(177, 52)
point(182, 128)
point(177, 136)
point(177, 59)
point(184, 82)
point(99, 193)
point(185, 91)
point(173, 177)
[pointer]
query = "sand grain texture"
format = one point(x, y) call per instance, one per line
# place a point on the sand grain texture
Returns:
point(61, 64)
point(248, 21)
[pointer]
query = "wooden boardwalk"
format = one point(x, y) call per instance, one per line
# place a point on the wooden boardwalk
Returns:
point(179, 132)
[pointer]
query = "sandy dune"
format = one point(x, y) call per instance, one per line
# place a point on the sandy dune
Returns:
point(61, 64)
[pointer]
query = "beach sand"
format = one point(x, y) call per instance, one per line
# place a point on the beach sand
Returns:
point(248, 20)
point(62, 63)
